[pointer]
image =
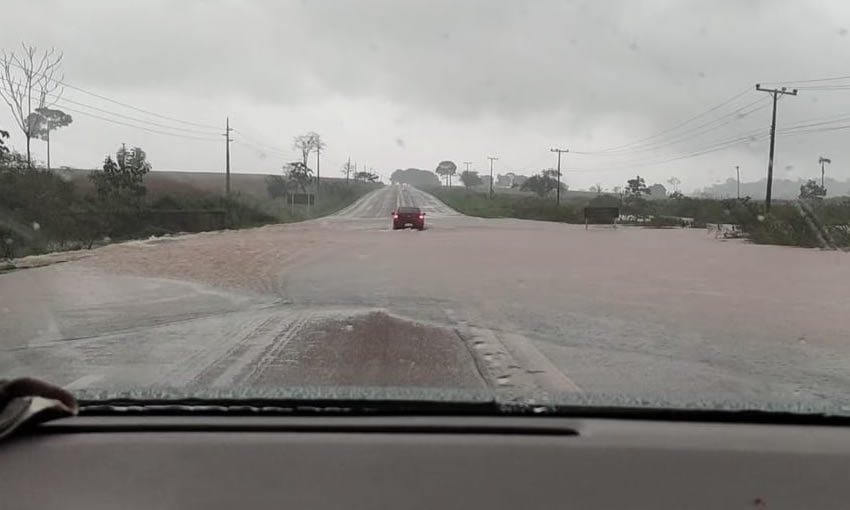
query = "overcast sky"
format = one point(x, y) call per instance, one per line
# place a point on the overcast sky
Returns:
point(398, 84)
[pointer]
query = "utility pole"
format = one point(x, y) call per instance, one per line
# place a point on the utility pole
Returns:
point(227, 159)
point(821, 160)
point(492, 159)
point(775, 93)
point(558, 192)
point(466, 164)
point(347, 170)
point(738, 174)
point(227, 141)
point(318, 175)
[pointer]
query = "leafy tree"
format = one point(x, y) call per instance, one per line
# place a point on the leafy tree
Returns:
point(415, 177)
point(676, 195)
point(447, 169)
point(4, 151)
point(367, 177)
point(812, 190)
point(543, 183)
point(636, 187)
point(597, 188)
point(30, 81)
point(657, 191)
point(470, 178)
point(122, 179)
point(299, 175)
point(45, 120)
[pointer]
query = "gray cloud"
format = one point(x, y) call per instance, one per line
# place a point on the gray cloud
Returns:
point(577, 68)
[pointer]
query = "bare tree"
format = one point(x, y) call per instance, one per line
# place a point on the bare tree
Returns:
point(307, 144)
point(30, 81)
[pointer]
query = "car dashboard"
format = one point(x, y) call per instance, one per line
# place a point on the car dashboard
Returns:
point(421, 462)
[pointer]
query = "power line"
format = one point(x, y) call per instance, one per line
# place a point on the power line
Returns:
point(127, 117)
point(722, 145)
point(125, 105)
point(815, 80)
point(677, 126)
point(263, 144)
point(690, 133)
point(156, 131)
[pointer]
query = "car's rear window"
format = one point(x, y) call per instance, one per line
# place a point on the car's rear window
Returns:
point(408, 210)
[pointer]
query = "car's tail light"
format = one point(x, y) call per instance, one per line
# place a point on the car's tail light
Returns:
point(395, 216)
point(421, 216)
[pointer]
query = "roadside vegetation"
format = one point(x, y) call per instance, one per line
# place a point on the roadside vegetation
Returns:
point(806, 222)
point(40, 211)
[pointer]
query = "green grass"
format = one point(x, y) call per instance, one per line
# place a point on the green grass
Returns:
point(511, 205)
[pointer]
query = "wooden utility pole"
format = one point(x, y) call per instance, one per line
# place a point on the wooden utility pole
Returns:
point(558, 192)
point(821, 160)
point(227, 159)
point(347, 170)
point(318, 175)
point(738, 174)
point(775, 93)
point(492, 159)
point(227, 141)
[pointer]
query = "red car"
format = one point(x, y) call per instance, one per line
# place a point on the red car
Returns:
point(404, 216)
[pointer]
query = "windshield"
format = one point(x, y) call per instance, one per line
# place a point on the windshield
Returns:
point(623, 202)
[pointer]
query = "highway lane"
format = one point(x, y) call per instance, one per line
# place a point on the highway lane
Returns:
point(520, 306)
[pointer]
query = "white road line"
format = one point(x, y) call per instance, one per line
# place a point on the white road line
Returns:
point(84, 382)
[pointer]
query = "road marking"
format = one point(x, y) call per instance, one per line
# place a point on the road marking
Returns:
point(84, 382)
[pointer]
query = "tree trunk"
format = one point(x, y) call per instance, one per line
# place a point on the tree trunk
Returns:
point(29, 155)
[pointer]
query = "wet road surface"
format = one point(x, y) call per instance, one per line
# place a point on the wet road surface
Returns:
point(519, 306)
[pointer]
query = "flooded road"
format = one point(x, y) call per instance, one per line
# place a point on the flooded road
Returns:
point(518, 306)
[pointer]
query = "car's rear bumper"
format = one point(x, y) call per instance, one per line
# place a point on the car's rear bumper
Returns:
point(415, 224)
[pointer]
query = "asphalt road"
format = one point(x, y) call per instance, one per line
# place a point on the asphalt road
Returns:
point(520, 306)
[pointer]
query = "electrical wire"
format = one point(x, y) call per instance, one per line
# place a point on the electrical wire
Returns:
point(125, 105)
point(693, 132)
point(143, 128)
point(718, 146)
point(135, 119)
point(676, 126)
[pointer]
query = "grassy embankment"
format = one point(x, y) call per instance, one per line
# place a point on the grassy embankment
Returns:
point(43, 211)
point(810, 223)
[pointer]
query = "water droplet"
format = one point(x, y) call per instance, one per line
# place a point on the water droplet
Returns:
point(36, 226)
point(349, 327)
point(503, 380)
point(399, 142)
point(842, 32)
